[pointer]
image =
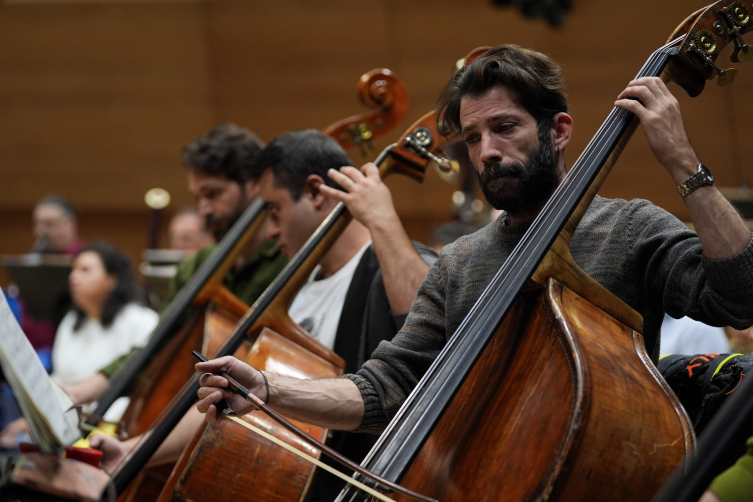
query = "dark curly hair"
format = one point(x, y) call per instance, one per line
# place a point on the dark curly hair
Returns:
point(296, 155)
point(533, 78)
point(126, 289)
point(227, 150)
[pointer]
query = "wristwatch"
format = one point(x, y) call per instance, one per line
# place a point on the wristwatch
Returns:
point(702, 178)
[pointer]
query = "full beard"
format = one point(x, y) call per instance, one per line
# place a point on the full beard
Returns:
point(514, 186)
point(220, 225)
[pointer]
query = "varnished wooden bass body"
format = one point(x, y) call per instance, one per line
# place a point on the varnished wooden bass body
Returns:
point(223, 463)
point(564, 393)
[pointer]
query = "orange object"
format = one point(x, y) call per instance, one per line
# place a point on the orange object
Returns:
point(86, 455)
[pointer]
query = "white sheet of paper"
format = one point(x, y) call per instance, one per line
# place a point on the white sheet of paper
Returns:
point(44, 405)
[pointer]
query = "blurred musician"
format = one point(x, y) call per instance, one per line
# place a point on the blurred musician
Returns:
point(55, 226)
point(106, 321)
point(187, 231)
point(221, 180)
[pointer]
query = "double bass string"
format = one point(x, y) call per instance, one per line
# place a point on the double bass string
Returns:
point(172, 414)
point(609, 129)
point(560, 204)
point(390, 98)
point(186, 397)
point(183, 401)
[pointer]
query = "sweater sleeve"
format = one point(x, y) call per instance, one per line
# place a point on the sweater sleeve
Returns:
point(396, 366)
point(677, 275)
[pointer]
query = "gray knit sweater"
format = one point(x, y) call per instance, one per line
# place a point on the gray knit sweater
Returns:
point(641, 253)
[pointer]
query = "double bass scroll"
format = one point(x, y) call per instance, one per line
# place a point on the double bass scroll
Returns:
point(380, 89)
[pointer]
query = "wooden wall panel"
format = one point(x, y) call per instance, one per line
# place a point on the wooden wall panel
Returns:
point(97, 98)
point(303, 58)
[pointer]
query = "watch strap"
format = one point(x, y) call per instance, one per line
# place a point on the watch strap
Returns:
point(702, 178)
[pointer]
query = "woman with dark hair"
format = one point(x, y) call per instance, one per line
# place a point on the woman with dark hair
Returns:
point(105, 323)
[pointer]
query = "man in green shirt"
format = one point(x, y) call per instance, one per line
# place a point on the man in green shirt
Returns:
point(247, 281)
point(220, 179)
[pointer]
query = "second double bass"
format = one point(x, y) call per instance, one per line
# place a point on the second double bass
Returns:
point(379, 89)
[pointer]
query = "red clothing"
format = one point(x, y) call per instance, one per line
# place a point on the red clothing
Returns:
point(41, 334)
point(74, 247)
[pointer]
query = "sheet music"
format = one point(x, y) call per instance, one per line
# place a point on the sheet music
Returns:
point(44, 405)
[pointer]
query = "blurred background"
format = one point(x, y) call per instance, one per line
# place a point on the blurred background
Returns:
point(98, 97)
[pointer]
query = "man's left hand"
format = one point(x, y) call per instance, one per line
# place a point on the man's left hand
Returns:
point(659, 113)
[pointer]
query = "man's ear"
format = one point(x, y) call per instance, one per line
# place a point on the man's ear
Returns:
point(562, 130)
point(318, 199)
point(251, 189)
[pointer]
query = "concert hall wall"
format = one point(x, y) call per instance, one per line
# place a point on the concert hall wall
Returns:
point(97, 97)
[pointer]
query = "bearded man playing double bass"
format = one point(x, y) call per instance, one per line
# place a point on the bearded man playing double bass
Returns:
point(510, 109)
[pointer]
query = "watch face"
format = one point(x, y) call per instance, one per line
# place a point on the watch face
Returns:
point(699, 179)
point(706, 173)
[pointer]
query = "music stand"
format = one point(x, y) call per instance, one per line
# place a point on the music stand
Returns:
point(42, 281)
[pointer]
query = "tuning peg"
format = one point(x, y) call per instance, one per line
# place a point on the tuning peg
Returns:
point(419, 140)
point(742, 52)
point(726, 76)
point(361, 136)
point(447, 166)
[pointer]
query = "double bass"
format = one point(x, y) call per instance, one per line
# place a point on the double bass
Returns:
point(545, 391)
point(216, 310)
point(410, 157)
point(228, 457)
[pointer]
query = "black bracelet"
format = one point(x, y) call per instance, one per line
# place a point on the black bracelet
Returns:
point(266, 384)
